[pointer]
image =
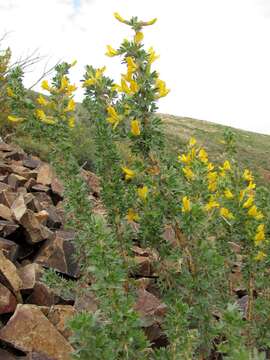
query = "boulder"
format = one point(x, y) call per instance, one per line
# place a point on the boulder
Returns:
point(45, 174)
point(35, 231)
point(59, 315)
point(9, 276)
point(58, 253)
point(5, 213)
point(9, 248)
point(8, 301)
point(29, 330)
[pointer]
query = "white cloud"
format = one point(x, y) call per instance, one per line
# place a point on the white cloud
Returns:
point(214, 53)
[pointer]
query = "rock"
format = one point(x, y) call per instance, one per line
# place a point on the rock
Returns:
point(156, 336)
point(35, 231)
point(150, 308)
point(9, 248)
point(45, 174)
point(92, 181)
point(5, 213)
point(57, 187)
point(9, 276)
point(42, 295)
point(30, 183)
point(14, 155)
point(243, 305)
point(30, 331)
point(18, 208)
point(86, 301)
point(143, 266)
point(5, 355)
point(40, 188)
point(4, 186)
point(43, 199)
point(7, 228)
point(42, 217)
point(54, 219)
point(8, 301)
point(7, 198)
point(31, 163)
point(29, 275)
point(58, 253)
point(59, 315)
point(37, 356)
point(16, 181)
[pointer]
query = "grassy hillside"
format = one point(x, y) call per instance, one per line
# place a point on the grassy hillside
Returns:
point(253, 150)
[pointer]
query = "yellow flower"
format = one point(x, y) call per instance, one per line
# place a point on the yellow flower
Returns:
point(70, 89)
point(119, 17)
point(40, 114)
point(131, 65)
point(134, 87)
point(226, 167)
point(71, 105)
point(253, 212)
point(228, 194)
point(161, 87)
point(251, 185)
point(186, 204)
point(89, 82)
point(184, 158)
point(260, 235)
point(42, 101)
point(10, 92)
point(45, 85)
point(211, 205)
point(248, 175)
point(132, 215)
point(260, 256)
point(188, 173)
point(135, 127)
point(64, 83)
point(114, 118)
point(15, 118)
point(138, 37)
point(100, 72)
point(124, 87)
point(129, 174)
point(203, 156)
point(143, 192)
point(242, 194)
point(247, 204)
point(210, 167)
point(192, 142)
point(151, 22)
point(71, 122)
point(111, 51)
point(212, 181)
point(226, 213)
point(152, 55)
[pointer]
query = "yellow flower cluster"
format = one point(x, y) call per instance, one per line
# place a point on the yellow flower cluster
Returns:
point(60, 105)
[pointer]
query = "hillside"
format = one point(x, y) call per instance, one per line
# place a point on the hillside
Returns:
point(253, 150)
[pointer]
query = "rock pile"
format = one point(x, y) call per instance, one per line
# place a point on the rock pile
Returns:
point(32, 316)
point(32, 237)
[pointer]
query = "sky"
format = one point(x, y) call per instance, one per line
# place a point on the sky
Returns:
point(214, 54)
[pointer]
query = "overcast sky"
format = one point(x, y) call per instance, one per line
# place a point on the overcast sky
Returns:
point(214, 54)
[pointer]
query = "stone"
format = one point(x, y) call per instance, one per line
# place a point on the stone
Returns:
point(14, 155)
point(42, 295)
point(45, 174)
point(5, 355)
point(9, 248)
point(9, 276)
point(58, 253)
point(7, 228)
point(143, 266)
point(16, 181)
point(5, 213)
point(57, 187)
point(29, 330)
point(4, 186)
point(18, 208)
point(35, 231)
point(42, 217)
point(59, 315)
point(43, 199)
point(29, 275)
point(86, 301)
point(54, 219)
point(40, 188)
point(31, 163)
point(30, 183)
point(38, 356)
point(92, 181)
point(8, 301)
point(242, 303)
point(7, 197)
point(151, 310)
